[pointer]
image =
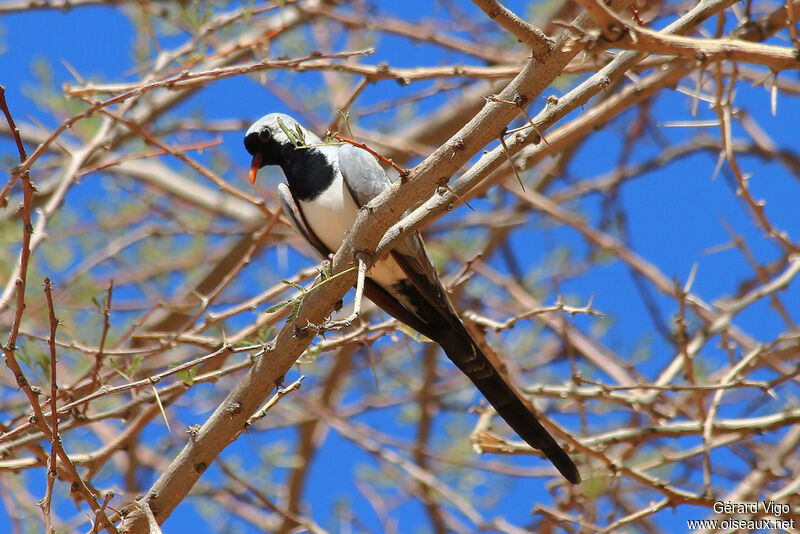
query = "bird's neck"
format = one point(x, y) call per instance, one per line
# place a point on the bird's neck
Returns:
point(307, 171)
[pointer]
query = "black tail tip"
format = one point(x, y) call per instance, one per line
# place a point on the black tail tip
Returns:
point(564, 464)
point(570, 472)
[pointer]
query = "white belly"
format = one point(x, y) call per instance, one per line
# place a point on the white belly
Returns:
point(331, 217)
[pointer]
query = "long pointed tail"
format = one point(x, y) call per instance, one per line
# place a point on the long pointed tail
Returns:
point(464, 352)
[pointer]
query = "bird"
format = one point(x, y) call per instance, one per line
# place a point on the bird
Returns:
point(327, 185)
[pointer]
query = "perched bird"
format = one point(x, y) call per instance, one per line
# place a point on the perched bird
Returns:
point(327, 185)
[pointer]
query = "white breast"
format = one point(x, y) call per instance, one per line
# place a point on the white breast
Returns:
point(331, 217)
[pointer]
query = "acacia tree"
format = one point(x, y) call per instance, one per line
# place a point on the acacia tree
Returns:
point(591, 179)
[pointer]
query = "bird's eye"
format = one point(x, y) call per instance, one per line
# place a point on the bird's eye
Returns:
point(264, 135)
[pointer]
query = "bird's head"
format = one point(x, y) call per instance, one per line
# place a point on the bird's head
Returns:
point(271, 137)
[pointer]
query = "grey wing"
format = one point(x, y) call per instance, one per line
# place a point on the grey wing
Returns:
point(295, 217)
point(362, 174)
point(366, 179)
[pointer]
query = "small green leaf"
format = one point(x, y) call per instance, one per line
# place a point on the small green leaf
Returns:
point(187, 375)
point(116, 367)
point(413, 334)
point(326, 270)
point(279, 305)
point(259, 337)
point(345, 116)
point(296, 137)
point(294, 285)
point(300, 135)
point(295, 310)
point(136, 362)
point(266, 333)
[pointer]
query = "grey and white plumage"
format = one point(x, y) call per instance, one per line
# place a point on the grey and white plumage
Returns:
point(327, 184)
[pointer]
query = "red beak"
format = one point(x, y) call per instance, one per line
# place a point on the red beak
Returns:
point(254, 166)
